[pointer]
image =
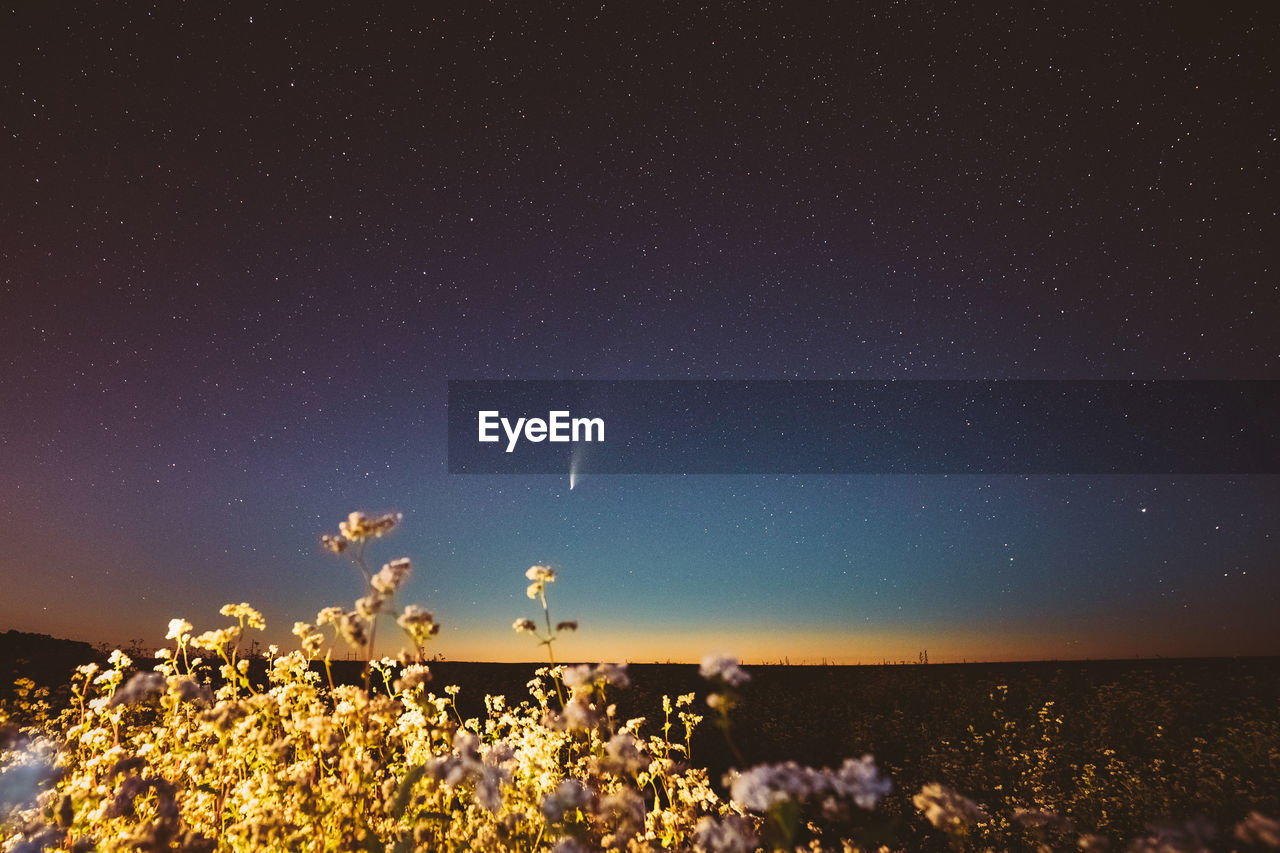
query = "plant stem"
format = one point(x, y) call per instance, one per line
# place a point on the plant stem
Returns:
point(546, 613)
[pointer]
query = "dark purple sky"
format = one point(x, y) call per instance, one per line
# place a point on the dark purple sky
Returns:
point(242, 249)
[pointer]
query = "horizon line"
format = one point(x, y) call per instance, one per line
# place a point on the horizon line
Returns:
point(103, 647)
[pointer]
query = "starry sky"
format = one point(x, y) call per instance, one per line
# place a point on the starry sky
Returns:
point(244, 247)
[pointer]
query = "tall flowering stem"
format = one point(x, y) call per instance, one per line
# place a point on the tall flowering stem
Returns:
point(539, 577)
point(359, 626)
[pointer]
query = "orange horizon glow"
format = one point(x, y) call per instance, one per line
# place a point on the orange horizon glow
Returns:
point(773, 644)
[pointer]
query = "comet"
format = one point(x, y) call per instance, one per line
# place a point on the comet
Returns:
point(575, 463)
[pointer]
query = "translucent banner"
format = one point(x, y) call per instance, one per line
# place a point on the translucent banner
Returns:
point(863, 427)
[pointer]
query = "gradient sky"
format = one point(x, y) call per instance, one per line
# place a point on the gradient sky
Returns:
point(243, 248)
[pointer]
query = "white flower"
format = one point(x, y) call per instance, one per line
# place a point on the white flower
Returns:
point(137, 689)
point(419, 624)
point(762, 787)
point(574, 676)
point(613, 673)
point(179, 629)
point(245, 613)
point(30, 767)
point(623, 756)
point(541, 574)
point(579, 714)
point(412, 676)
point(392, 575)
point(586, 675)
point(623, 811)
point(369, 606)
point(489, 787)
point(359, 526)
point(859, 779)
point(189, 690)
point(731, 835)
point(724, 668)
point(569, 794)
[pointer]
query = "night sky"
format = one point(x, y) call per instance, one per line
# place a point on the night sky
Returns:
point(243, 248)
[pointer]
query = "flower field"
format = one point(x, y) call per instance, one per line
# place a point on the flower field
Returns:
point(205, 748)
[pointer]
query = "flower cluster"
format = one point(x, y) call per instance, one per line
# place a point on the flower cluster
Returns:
point(763, 787)
point(359, 526)
point(382, 587)
point(349, 624)
point(358, 626)
point(419, 624)
point(586, 675)
point(726, 669)
point(411, 678)
point(391, 576)
point(540, 577)
point(732, 834)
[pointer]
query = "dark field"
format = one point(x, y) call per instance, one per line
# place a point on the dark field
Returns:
point(1123, 742)
point(1111, 744)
